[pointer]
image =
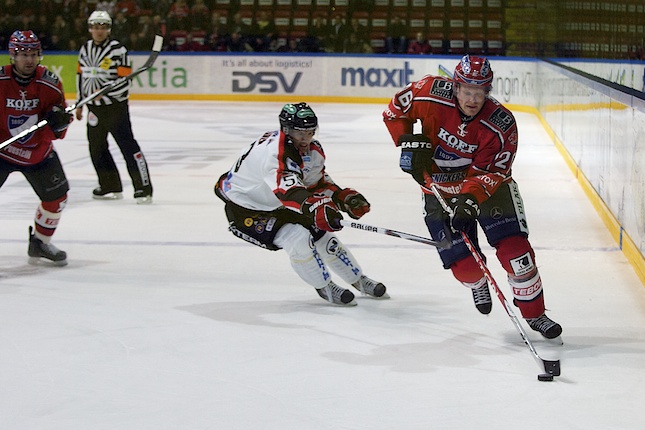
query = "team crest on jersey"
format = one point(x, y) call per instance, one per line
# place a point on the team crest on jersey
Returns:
point(17, 124)
point(449, 162)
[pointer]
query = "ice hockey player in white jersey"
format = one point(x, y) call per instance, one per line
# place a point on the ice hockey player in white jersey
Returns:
point(278, 196)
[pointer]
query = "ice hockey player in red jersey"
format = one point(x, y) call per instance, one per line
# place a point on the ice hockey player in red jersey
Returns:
point(279, 196)
point(466, 147)
point(30, 93)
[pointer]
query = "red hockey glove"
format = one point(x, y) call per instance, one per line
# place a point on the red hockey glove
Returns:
point(323, 212)
point(352, 202)
point(465, 211)
point(416, 155)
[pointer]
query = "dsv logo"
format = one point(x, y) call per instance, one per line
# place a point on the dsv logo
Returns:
point(266, 82)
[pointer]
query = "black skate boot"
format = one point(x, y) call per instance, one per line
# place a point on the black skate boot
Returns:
point(482, 299)
point(545, 326)
point(143, 197)
point(336, 295)
point(38, 249)
point(101, 194)
point(371, 288)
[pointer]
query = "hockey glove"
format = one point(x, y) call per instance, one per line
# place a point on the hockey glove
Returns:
point(416, 155)
point(57, 119)
point(465, 211)
point(352, 202)
point(323, 212)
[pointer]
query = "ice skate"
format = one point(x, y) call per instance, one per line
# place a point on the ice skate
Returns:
point(482, 299)
point(143, 197)
point(336, 295)
point(545, 326)
point(38, 249)
point(371, 288)
point(101, 194)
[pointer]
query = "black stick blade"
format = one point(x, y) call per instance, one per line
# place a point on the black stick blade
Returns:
point(552, 367)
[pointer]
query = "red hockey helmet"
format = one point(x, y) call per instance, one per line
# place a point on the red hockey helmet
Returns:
point(473, 70)
point(24, 41)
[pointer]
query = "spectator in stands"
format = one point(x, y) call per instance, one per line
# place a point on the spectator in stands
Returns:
point(218, 25)
point(47, 9)
point(237, 43)
point(354, 45)
point(159, 25)
point(263, 31)
point(216, 42)
point(55, 43)
point(128, 7)
point(292, 45)
point(320, 32)
point(41, 30)
point(178, 18)
point(200, 16)
point(237, 25)
point(146, 32)
point(62, 32)
point(358, 29)
point(192, 45)
point(338, 34)
point(161, 8)
point(396, 39)
point(121, 27)
point(79, 31)
point(419, 45)
point(106, 5)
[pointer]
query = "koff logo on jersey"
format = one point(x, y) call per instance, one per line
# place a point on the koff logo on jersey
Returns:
point(456, 143)
point(23, 103)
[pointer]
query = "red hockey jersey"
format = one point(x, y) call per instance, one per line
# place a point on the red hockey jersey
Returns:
point(24, 106)
point(471, 155)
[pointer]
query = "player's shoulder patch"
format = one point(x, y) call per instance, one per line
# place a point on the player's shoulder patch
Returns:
point(50, 77)
point(502, 119)
point(442, 89)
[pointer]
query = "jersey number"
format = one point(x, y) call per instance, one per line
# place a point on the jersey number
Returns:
point(503, 159)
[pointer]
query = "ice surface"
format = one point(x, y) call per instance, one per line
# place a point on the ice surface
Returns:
point(164, 320)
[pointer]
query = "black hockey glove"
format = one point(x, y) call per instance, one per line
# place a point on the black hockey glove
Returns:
point(465, 211)
point(416, 155)
point(323, 212)
point(352, 202)
point(57, 119)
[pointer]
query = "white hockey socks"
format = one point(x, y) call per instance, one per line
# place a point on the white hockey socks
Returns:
point(303, 256)
point(338, 258)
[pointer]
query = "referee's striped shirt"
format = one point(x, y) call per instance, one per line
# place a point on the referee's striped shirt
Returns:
point(98, 65)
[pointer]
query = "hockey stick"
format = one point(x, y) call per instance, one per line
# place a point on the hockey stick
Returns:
point(551, 367)
point(389, 232)
point(156, 48)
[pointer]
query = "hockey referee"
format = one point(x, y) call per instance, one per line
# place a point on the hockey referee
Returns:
point(100, 61)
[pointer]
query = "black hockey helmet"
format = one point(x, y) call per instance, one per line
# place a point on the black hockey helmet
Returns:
point(297, 116)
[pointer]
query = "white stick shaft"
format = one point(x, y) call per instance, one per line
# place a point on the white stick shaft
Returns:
point(395, 233)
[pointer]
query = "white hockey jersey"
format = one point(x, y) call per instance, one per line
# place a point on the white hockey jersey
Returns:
point(272, 173)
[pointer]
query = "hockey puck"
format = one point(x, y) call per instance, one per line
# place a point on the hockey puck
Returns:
point(545, 377)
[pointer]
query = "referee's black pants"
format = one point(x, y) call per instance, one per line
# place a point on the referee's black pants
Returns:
point(114, 119)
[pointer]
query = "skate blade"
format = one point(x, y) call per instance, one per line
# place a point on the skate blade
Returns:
point(385, 296)
point(108, 196)
point(39, 261)
point(144, 200)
